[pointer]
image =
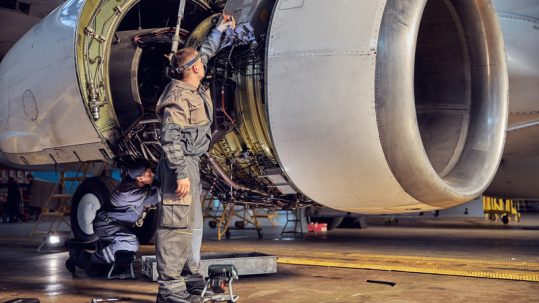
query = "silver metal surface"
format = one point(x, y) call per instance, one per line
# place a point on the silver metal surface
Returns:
point(516, 178)
point(520, 126)
point(313, 76)
point(447, 151)
point(517, 173)
point(521, 34)
point(342, 110)
point(43, 118)
point(246, 263)
point(176, 37)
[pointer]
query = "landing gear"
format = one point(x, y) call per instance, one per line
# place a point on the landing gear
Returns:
point(89, 197)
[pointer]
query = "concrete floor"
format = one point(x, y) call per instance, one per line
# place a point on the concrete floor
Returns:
point(25, 273)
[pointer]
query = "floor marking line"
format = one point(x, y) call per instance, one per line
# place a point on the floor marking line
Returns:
point(515, 275)
point(432, 259)
point(395, 258)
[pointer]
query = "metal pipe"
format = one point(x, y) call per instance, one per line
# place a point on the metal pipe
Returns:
point(146, 147)
point(219, 171)
point(176, 37)
point(94, 103)
point(148, 121)
point(523, 125)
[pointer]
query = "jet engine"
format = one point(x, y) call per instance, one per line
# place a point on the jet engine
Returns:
point(372, 106)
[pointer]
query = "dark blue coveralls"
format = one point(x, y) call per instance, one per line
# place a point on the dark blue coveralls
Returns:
point(113, 223)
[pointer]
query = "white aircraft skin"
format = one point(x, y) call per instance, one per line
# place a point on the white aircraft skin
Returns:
point(517, 175)
point(29, 127)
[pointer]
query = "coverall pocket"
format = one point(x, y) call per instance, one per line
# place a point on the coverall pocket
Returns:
point(176, 213)
point(175, 216)
point(197, 113)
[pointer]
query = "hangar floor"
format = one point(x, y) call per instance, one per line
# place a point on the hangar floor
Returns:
point(341, 262)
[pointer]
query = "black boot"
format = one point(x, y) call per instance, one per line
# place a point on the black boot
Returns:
point(93, 267)
point(195, 284)
point(97, 270)
point(179, 297)
point(76, 257)
point(82, 259)
point(70, 263)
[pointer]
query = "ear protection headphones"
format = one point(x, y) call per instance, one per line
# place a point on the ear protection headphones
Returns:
point(176, 71)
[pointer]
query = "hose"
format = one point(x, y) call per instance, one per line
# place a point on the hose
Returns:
point(219, 171)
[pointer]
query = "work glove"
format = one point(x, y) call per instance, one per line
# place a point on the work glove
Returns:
point(226, 22)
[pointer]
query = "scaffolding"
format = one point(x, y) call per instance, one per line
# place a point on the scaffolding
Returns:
point(56, 209)
point(235, 216)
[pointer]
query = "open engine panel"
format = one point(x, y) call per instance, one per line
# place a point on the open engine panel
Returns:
point(241, 165)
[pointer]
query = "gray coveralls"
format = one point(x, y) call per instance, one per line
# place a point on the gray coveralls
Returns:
point(113, 224)
point(186, 114)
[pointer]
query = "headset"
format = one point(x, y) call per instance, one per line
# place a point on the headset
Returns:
point(176, 71)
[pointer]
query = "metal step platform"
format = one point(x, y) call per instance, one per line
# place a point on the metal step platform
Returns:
point(246, 264)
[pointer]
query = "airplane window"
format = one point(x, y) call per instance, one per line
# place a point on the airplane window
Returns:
point(9, 4)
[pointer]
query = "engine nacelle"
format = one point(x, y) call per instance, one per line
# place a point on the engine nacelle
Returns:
point(387, 106)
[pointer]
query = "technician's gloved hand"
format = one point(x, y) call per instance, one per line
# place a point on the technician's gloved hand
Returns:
point(225, 22)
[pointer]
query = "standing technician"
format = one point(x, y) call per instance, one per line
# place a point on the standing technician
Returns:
point(185, 110)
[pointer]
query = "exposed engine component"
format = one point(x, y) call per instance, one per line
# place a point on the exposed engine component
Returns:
point(235, 168)
point(142, 142)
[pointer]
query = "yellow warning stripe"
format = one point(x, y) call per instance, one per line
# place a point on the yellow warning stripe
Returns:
point(431, 259)
point(509, 275)
point(383, 258)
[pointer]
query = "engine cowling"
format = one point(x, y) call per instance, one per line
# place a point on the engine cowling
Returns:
point(387, 106)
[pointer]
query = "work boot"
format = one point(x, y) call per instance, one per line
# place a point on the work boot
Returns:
point(97, 269)
point(82, 259)
point(71, 262)
point(195, 284)
point(179, 297)
point(70, 265)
